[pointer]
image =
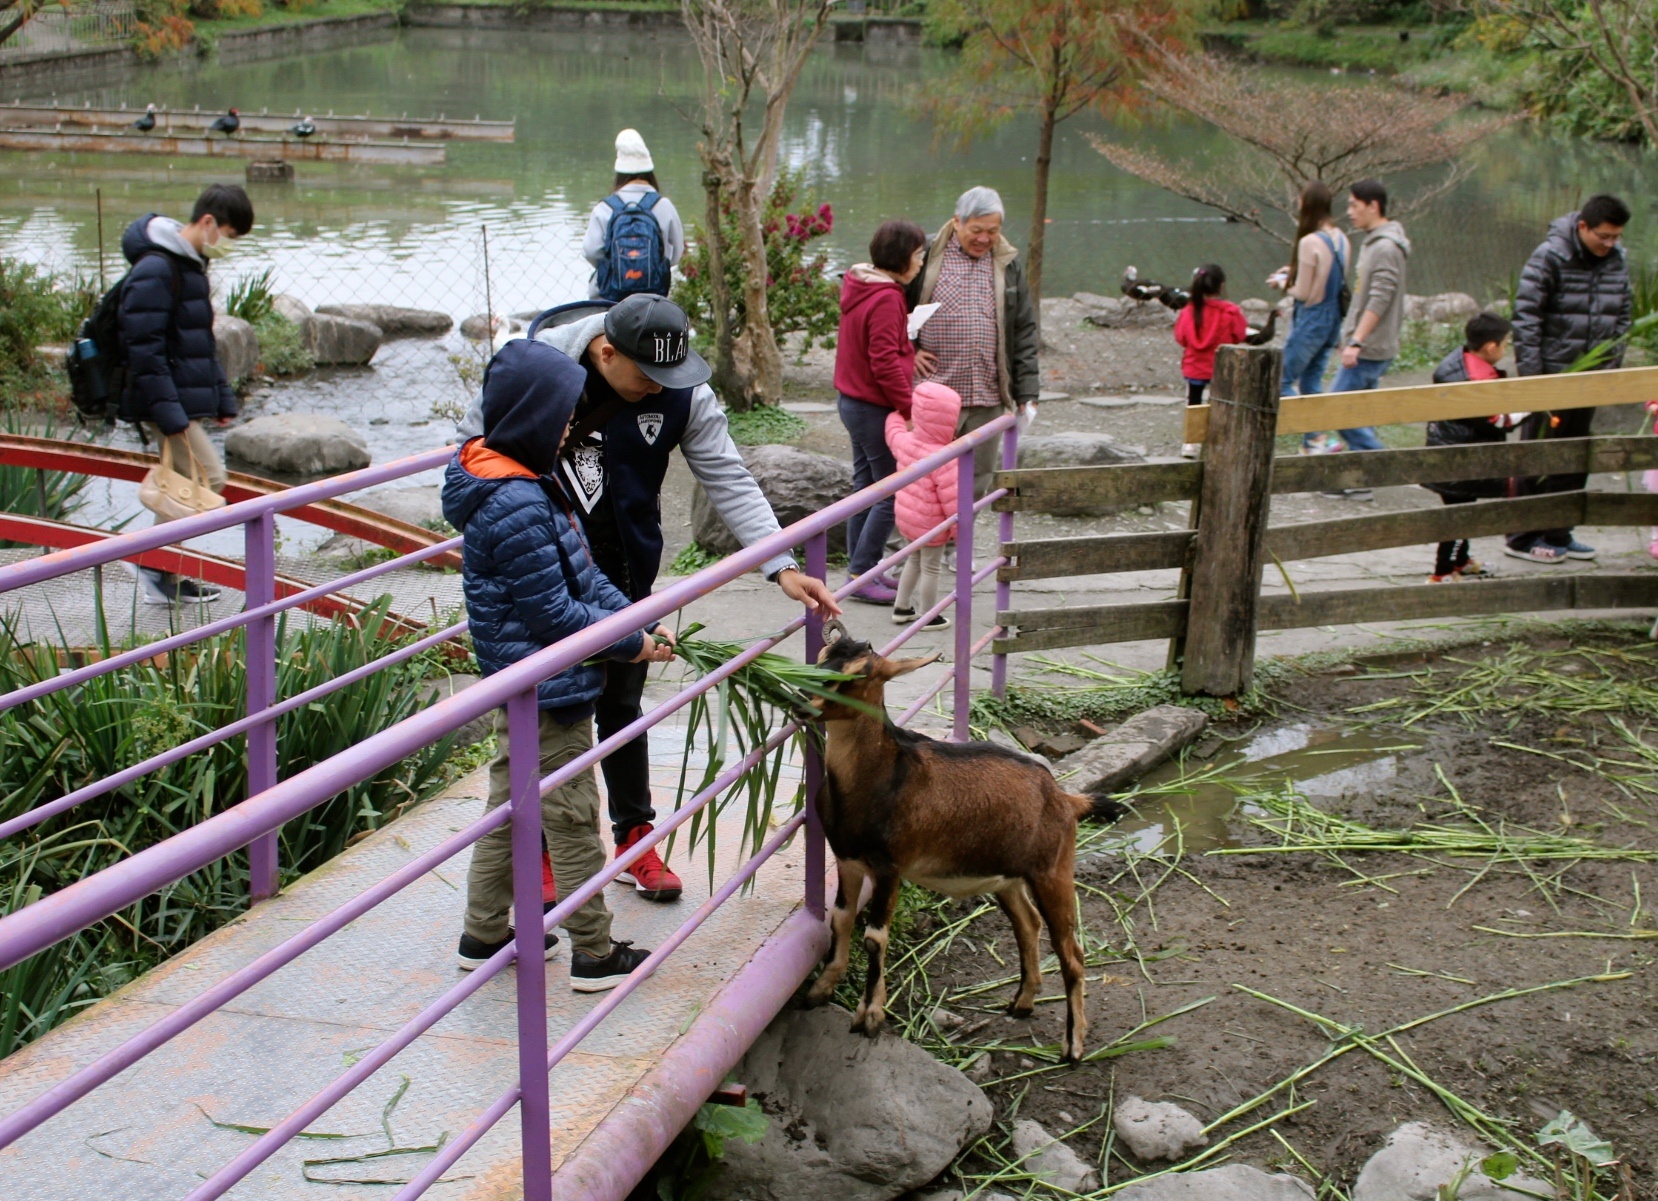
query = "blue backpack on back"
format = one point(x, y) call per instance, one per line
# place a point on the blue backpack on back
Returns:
point(635, 259)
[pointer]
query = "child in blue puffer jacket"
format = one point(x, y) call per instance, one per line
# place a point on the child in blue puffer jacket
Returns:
point(531, 581)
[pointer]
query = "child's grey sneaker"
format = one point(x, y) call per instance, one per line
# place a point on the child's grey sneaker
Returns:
point(589, 973)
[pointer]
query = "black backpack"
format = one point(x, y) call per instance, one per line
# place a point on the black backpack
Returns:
point(97, 362)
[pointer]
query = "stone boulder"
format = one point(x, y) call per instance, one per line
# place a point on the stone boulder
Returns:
point(851, 1118)
point(298, 444)
point(238, 347)
point(1417, 1159)
point(1157, 1130)
point(1078, 450)
point(1128, 752)
point(340, 341)
point(1444, 308)
point(797, 483)
point(1119, 312)
point(393, 321)
point(480, 327)
point(1048, 1159)
point(293, 308)
point(1234, 1182)
point(444, 687)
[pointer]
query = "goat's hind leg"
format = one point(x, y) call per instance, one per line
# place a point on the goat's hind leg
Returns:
point(1056, 897)
point(872, 1012)
point(848, 891)
point(1027, 932)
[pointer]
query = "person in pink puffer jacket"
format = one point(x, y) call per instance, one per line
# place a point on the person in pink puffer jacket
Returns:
point(934, 412)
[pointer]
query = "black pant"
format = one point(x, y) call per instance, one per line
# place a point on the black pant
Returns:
point(1194, 391)
point(1572, 423)
point(1452, 555)
point(627, 769)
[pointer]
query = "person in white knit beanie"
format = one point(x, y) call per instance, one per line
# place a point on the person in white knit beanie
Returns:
point(635, 190)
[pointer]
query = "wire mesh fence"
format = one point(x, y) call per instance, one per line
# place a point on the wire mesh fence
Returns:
point(73, 27)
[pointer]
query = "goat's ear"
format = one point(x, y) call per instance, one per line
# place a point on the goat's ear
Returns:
point(886, 669)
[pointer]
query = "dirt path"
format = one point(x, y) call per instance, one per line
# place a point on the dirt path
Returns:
point(1371, 940)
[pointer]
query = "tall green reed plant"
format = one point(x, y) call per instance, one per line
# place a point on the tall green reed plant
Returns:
point(85, 733)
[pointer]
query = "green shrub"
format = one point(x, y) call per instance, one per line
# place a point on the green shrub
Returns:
point(251, 298)
point(1422, 344)
point(766, 425)
point(37, 309)
point(86, 733)
point(281, 347)
point(801, 298)
point(692, 560)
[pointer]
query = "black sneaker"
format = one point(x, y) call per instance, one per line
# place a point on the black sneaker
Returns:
point(588, 973)
point(198, 591)
point(473, 953)
point(157, 587)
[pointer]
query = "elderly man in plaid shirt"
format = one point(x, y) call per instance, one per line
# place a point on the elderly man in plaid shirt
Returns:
point(983, 339)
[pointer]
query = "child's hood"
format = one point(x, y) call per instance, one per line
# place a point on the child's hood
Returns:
point(529, 395)
point(935, 410)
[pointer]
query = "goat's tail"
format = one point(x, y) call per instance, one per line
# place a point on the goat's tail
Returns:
point(1097, 808)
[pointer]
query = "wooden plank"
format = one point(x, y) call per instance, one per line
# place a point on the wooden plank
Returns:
point(1050, 629)
point(1490, 460)
point(1227, 554)
point(1049, 558)
point(403, 153)
point(1441, 402)
point(1069, 489)
point(1618, 508)
point(196, 121)
point(1531, 594)
point(1349, 535)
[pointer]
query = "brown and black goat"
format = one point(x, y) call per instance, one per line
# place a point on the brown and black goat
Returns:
point(962, 819)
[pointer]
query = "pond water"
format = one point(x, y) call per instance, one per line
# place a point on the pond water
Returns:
point(417, 236)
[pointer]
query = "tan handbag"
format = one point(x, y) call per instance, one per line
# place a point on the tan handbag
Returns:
point(170, 495)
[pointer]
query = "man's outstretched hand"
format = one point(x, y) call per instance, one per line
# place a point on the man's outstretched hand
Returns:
point(814, 594)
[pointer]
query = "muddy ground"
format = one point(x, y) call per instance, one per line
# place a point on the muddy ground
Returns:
point(1426, 933)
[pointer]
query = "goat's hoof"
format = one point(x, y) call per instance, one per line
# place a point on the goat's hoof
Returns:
point(872, 1024)
point(1017, 1010)
point(816, 996)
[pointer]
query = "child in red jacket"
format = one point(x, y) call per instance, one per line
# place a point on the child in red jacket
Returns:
point(934, 412)
point(1207, 323)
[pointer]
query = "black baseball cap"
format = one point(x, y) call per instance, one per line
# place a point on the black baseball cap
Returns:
point(654, 332)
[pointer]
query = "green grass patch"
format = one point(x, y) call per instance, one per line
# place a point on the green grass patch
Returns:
point(281, 346)
point(692, 560)
point(1351, 48)
point(765, 426)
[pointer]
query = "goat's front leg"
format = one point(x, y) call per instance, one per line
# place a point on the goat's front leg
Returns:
point(848, 891)
point(1056, 897)
point(1027, 932)
point(872, 1011)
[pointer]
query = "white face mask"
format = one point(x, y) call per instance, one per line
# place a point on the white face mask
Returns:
point(216, 250)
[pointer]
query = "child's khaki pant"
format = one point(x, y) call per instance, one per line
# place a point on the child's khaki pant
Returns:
point(570, 820)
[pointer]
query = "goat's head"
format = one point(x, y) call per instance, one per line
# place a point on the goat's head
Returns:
point(867, 668)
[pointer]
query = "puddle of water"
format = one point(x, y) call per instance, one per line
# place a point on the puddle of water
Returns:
point(1202, 795)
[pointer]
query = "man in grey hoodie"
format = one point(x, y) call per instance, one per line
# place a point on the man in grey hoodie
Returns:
point(1370, 339)
point(647, 392)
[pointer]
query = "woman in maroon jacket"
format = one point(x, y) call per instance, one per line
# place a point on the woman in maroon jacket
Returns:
point(874, 374)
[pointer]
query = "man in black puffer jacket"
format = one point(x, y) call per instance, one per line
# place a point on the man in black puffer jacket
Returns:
point(174, 378)
point(1574, 296)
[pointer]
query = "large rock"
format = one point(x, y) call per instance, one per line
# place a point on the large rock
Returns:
point(1417, 1159)
point(1049, 1160)
point(1234, 1182)
point(1444, 308)
point(340, 341)
point(1076, 449)
point(237, 345)
point(393, 321)
point(1125, 754)
point(851, 1118)
point(293, 308)
point(298, 444)
point(796, 482)
point(1156, 1130)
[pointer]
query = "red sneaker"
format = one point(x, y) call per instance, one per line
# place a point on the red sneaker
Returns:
point(549, 888)
point(648, 873)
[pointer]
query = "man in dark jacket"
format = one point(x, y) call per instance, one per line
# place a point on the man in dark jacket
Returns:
point(1574, 296)
point(530, 581)
point(983, 339)
point(175, 382)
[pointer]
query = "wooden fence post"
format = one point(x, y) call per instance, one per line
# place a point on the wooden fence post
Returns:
point(1232, 521)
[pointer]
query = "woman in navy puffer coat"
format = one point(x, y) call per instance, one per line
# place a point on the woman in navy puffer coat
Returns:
point(167, 331)
point(529, 577)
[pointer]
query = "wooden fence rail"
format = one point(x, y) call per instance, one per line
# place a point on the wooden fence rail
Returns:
point(1217, 608)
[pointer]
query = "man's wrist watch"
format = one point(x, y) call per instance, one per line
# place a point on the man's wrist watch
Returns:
point(1356, 344)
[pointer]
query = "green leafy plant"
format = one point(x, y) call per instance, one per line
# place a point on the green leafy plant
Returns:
point(282, 349)
point(800, 295)
point(765, 426)
point(687, 1169)
point(692, 560)
point(34, 491)
point(251, 297)
point(37, 309)
point(90, 731)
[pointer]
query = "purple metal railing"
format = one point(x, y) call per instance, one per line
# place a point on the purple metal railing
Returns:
point(255, 822)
